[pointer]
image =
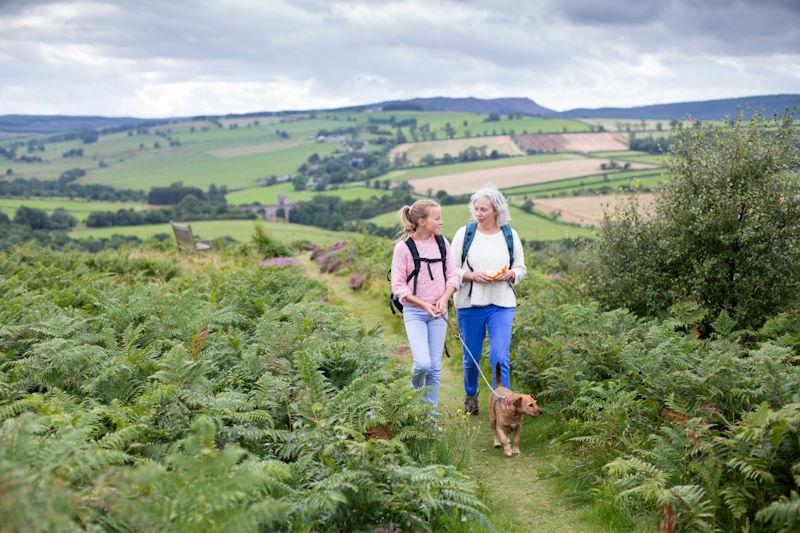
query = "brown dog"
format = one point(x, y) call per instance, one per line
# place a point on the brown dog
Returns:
point(505, 411)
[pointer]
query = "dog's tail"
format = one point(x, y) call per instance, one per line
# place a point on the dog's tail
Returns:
point(498, 375)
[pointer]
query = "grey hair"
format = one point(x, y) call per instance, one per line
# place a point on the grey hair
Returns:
point(490, 192)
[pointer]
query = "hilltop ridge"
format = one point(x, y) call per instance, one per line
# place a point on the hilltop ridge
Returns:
point(702, 110)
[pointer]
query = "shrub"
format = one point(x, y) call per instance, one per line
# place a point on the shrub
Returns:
point(704, 431)
point(725, 231)
point(266, 245)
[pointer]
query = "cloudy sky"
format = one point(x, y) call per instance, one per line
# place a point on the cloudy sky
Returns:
point(155, 58)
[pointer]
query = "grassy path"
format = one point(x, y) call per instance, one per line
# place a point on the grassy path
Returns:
point(521, 491)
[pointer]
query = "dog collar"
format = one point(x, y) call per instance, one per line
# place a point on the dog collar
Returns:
point(508, 407)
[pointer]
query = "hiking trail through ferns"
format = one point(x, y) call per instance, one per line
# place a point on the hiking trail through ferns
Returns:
point(522, 491)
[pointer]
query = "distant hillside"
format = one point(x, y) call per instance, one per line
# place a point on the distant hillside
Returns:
point(702, 110)
point(525, 106)
point(58, 123)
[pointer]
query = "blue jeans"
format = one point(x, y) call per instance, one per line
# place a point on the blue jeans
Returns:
point(426, 339)
point(473, 323)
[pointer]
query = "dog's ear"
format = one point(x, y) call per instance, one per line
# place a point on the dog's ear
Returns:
point(518, 401)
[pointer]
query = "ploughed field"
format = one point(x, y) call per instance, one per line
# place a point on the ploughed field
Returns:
point(573, 142)
point(514, 176)
point(414, 152)
point(586, 210)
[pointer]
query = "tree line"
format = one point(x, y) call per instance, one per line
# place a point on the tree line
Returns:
point(65, 187)
point(190, 208)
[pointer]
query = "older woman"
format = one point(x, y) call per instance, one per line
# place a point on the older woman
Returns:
point(489, 256)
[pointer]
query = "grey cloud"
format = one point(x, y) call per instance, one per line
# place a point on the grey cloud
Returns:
point(572, 53)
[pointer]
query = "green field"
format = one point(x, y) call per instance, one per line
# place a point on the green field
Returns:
point(625, 125)
point(577, 186)
point(476, 124)
point(200, 169)
point(631, 155)
point(77, 208)
point(241, 230)
point(203, 157)
point(529, 226)
point(268, 195)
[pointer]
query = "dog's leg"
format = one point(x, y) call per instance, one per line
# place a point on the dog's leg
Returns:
point(493, 420)
point(516, 437)
point(504, 440)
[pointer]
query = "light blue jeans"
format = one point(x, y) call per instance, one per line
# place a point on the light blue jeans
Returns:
point(473, 323)
point(426, 339)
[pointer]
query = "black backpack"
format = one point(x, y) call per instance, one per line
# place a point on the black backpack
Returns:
point(469, 236)
point(394, 302)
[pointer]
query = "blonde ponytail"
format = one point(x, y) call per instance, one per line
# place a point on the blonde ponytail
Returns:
point(411, 215)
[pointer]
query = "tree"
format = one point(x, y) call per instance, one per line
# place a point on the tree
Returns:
point(724, 232)
point(32, 217)
point(62, 219)
point(299, 182)
point(527, 206)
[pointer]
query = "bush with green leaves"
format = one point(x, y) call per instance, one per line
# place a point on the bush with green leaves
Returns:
point(724, 232)
point(134, 397)
point(704, 431)
point(267, 246)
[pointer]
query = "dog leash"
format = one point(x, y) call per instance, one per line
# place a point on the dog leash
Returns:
point(464, 344)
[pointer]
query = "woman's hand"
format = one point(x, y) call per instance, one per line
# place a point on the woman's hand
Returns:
point(441, 305)
point(432, 309)
point(508, 275)
point(481, 277)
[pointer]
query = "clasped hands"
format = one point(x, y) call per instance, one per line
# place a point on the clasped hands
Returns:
point(488, 277)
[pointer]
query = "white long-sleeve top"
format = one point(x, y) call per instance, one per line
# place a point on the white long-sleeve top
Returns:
point(488, 253)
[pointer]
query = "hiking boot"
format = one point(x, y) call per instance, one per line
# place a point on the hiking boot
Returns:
point(471, 405)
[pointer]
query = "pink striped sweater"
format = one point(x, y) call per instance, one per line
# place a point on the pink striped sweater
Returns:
point(428, 290)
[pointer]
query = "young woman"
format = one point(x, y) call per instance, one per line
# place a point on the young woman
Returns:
point(424, 295)
point(486, 299)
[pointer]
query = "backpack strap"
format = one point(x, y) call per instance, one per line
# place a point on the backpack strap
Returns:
point(469, 236)
point(509, 243)
point(415, 256)
point(443, 253)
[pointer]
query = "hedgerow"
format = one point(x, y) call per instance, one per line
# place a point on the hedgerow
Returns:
point(135, 396)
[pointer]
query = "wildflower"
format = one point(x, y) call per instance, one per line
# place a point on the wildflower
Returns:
point(474, 428)
point(416, 419)
point(487, 462)
point(458, 411)
point(464, 417)
point(410, 397)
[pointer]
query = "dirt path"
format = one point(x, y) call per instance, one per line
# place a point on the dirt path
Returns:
point(521, 491)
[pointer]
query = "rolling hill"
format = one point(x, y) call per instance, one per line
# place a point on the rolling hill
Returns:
point(702, 110)
point(525, 106)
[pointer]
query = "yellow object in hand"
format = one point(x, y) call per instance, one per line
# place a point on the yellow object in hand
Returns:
point(497, 274)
